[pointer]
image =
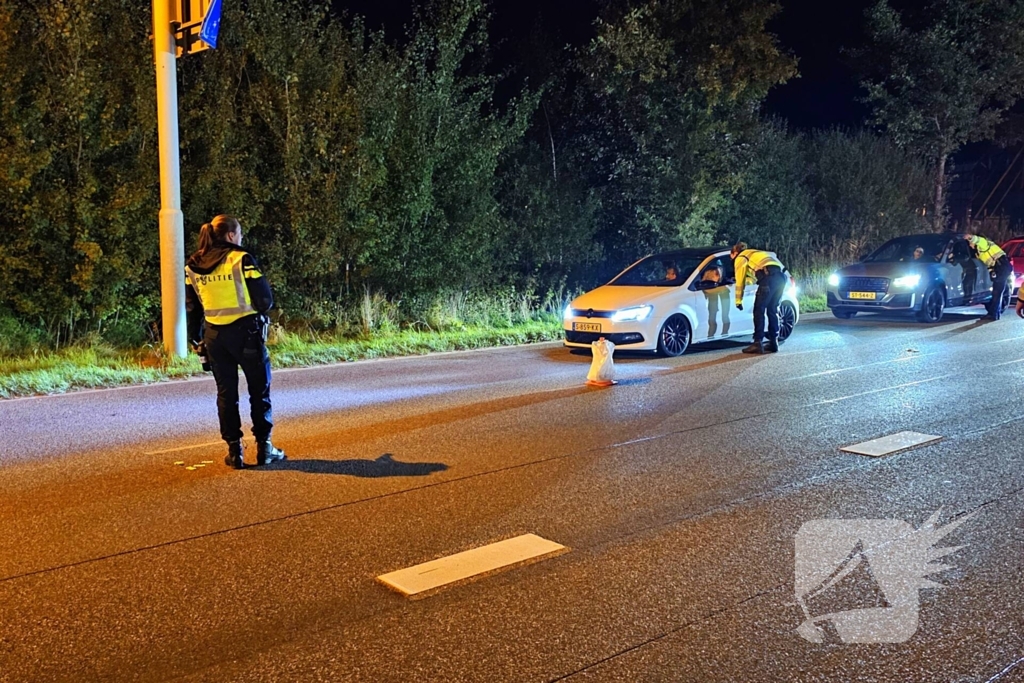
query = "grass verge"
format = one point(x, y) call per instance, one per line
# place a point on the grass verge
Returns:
point(102, 367)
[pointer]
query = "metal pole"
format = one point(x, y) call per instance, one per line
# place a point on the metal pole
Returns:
point(172, 223)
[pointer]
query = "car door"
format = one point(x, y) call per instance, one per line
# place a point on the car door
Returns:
point(714, 304)
point(953, 271)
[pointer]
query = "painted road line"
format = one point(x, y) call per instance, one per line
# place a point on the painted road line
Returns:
point(1009, 362)
point(866, 365)
point(430, 576)
point(887, 445)
point(184, 448)
point(876, 391)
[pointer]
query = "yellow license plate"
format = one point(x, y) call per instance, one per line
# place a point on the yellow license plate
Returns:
point(587, 327)
point(863, 295)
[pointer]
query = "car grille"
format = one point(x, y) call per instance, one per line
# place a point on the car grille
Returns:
point(591, 313)
point(615, 337)
point(864, 284)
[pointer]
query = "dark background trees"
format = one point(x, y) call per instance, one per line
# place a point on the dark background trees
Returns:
point(442, 155)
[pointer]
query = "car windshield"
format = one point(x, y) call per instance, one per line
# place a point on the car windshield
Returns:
point(658, 271)
point(923, 248)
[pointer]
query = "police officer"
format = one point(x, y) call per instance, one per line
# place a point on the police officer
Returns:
point(225, 287)
point(763, 268)
point(998, 264)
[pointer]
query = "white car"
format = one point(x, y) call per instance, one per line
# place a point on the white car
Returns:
point(668, 301)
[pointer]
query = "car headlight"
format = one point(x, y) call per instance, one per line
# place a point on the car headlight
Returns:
point(634, 313)
point(791, 291)
point(567, 313)
point(833, 280)
point(907, 281)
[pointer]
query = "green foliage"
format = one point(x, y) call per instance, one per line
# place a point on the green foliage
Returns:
point(669, 89)
point(865, 191)
point(77, 189)
point(824, 197)
point(944, 75)
point(774, 205)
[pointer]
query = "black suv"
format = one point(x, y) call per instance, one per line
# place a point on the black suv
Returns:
point(922, 274)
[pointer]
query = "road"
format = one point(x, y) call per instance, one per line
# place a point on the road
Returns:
point(679, 493)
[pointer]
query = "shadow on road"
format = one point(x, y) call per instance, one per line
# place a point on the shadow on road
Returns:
point(384, 466)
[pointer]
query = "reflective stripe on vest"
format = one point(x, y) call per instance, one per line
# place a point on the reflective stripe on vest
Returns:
point(222, 291)
point(759, 260)
point(988, 252)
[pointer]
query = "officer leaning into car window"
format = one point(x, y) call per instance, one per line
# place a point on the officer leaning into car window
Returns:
point(767, 271)
point(225, 287)
point(999, 266)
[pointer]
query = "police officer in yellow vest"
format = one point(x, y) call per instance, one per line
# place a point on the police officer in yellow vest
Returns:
point(225, 287)
point(999, 266)
point(763, 268)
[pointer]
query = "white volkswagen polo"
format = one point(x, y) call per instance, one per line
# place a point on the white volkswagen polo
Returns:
point(668, 301)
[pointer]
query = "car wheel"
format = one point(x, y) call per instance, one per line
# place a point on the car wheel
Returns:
point(843, 313)
point(932, 306)
point(787, 320)
point(674, 338)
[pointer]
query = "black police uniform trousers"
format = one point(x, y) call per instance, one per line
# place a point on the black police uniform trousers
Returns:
point(771, 284)
point(1001, 272)
point(240, 344)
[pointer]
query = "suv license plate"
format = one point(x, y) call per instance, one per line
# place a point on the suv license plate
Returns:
point(587, 327)
point(862, 295)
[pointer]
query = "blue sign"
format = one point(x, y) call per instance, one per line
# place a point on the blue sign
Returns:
point(211, 24)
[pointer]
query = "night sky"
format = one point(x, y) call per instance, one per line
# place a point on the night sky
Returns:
point(825, 94)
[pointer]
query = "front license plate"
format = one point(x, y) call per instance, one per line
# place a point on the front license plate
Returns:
point(587, 327)
point(863, 295)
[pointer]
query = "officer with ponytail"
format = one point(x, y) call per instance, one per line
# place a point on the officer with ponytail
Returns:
point(226, 290)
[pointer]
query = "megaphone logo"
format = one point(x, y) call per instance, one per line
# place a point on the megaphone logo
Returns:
point(897, 558)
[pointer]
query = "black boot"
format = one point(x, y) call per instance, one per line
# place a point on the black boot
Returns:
point(236, 455)
point(773, 345)
point(267, 453)
point(757, 347)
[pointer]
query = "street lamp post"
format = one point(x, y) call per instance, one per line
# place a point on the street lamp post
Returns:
point(172, 223)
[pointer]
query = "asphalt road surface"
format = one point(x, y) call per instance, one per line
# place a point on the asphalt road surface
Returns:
point(680, 493)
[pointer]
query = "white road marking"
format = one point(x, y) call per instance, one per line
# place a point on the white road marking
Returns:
point(486, 559)
point(866, 365)
point(184, 448)
point(886, 445)
point(1009, 362)
point(876, 391)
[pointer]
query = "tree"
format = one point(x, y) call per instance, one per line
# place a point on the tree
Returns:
point(943, 76)
point(668, 91)
point(773, 207)
point(865, 190)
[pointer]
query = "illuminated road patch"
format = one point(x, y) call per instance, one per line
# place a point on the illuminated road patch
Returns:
point(423, 579)
point(887, 445)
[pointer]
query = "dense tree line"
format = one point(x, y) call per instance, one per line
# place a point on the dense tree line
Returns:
point(404, 166)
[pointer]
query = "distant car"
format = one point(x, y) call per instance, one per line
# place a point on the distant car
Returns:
point(1015, 250)
point(920, 274)
point(668, 301)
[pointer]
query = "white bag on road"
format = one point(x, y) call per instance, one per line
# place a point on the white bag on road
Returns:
point(602, 367)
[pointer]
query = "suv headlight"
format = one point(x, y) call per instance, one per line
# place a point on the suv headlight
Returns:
point(634, 313)
point(833, 280)
point(907, 281)
point(567, 313)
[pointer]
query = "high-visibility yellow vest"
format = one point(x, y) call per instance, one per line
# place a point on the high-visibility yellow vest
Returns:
point(749, 262)
point(988, 252)
point(223, 293)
